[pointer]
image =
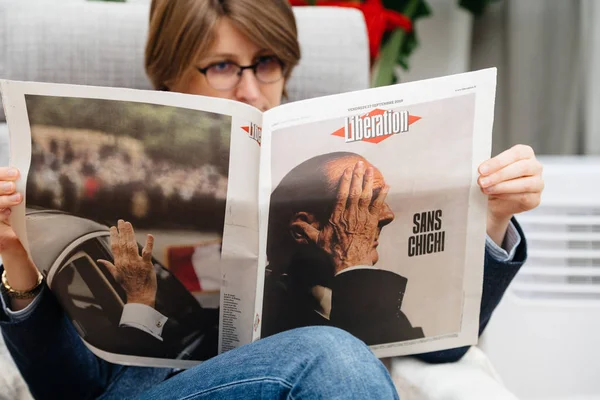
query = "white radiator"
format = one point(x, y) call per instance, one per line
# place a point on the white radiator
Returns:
point(544, 338)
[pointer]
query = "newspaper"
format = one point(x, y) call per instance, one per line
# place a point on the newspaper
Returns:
point(172, 227)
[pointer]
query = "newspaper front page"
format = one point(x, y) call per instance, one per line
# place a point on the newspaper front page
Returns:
point(371, 218)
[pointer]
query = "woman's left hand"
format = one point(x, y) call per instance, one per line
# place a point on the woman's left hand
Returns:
point(513, 180)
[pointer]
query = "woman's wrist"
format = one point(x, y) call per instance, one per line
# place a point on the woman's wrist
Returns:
point(17, 302)
point(497, 227)
point(21, 274)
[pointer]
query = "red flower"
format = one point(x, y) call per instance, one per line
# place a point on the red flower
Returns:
point(377, 18)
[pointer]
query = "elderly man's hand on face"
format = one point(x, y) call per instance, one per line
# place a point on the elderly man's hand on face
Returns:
point(134, 273)
point(349, 235)
point(513, 181)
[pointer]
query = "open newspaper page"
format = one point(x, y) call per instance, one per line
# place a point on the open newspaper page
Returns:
point(371, 218)
point(102, 169)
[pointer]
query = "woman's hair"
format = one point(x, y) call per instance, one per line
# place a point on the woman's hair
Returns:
point(181, 30)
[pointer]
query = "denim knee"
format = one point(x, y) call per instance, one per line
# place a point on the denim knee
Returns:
point(339, 359)
point(334, 346)
point(304, 363)
point(329, 341)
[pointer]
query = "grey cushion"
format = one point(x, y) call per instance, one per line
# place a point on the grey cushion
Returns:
point(92, 43)
point(102, 44)
point(335, 52)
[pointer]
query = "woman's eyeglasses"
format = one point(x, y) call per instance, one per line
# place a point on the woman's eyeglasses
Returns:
point(226, 75)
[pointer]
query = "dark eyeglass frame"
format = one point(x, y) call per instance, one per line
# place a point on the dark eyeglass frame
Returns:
point(241, 68)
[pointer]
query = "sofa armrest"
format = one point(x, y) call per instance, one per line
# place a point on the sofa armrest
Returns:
point(471, 378)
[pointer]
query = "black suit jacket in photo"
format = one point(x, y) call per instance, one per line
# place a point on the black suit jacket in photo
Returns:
point(365, 302)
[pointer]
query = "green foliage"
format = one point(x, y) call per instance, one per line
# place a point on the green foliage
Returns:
point(384, 69)
point(413, 9)
point(398, 46)
point(178, 135)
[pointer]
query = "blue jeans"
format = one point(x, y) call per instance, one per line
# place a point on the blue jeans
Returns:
point(305, 363)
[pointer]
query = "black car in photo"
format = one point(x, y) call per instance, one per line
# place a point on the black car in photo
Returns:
point(66, 248)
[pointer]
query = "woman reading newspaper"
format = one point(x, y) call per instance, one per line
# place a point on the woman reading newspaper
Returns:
point(242, 50)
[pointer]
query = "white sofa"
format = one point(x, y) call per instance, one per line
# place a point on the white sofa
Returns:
point(98, 43)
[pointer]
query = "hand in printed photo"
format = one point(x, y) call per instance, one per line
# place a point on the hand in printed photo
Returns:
point(350, 235)
point(134, 272)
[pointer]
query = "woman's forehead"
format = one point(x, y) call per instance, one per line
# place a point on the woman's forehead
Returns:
point(231, 42)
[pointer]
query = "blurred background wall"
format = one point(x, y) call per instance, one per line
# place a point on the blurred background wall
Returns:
point(546, 52)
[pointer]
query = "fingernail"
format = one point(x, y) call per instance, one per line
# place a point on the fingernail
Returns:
point(15, 198)
point(7, 186)
point(485, 182)
point(12, 172)
point(484, 169)
point(360, 164)
point(369, 171)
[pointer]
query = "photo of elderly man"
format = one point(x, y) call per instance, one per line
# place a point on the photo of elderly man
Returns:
point(325, 220)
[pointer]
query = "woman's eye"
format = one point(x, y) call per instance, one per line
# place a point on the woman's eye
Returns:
point(222, 67)
point(266, 59)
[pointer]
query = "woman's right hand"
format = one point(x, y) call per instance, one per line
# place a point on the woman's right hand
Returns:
point(21, 273)
point(8, 198)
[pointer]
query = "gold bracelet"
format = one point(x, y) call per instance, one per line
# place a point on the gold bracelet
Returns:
point(22, 294)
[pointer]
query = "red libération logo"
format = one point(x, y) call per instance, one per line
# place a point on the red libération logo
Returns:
point(375, 126)
point(254, 132)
